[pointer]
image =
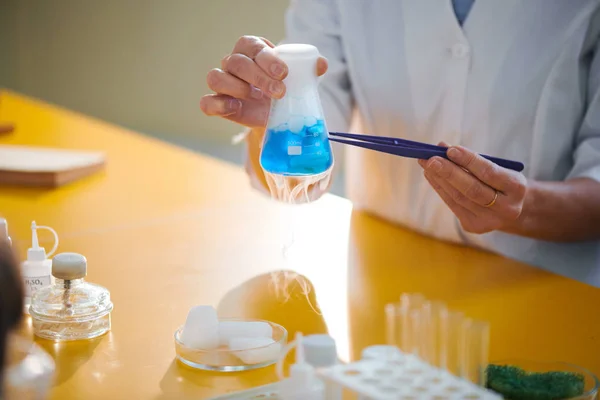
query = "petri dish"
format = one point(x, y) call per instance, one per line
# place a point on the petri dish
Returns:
point(224, 359)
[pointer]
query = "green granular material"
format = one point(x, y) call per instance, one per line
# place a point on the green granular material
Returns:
point(514, 383)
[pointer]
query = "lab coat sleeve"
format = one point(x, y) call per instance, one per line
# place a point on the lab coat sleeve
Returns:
point(587, 150)
point(317, 22)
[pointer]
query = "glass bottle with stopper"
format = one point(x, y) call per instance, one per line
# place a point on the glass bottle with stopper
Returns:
point(72, 308)
point(296, 140)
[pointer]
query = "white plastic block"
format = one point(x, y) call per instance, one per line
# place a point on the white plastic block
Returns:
point(243, 329)
point(201, 329)
point(255, 350)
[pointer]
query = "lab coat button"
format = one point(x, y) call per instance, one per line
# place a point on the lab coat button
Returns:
point(460, 50)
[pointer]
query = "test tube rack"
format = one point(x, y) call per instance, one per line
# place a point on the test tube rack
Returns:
point(404, 376)
point(444, 338)
point(432, 352)
point(382, 374)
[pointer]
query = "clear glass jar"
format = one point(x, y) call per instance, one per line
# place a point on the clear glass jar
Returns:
point(72, 308)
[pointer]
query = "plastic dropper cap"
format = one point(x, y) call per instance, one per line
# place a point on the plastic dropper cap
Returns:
point(35, 252)
point(69, 266)
point(4, 230)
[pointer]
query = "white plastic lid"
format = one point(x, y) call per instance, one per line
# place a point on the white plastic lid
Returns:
point(69, 266)
point(320, 350)
point(291, 52)
point(301, 60)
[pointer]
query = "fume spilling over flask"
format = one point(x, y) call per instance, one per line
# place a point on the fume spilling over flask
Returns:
point(296, 140)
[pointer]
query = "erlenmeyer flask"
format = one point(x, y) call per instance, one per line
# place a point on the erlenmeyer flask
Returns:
point(296, 140)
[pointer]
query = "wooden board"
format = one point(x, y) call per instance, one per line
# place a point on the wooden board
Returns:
point(46, 167)
point(5, 127)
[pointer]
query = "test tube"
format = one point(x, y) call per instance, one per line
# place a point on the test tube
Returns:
point(412, 300)
point(432, 332)
point(399, 328)
point(477, 343)
point(414, 337)
point(452, 341)
point(393, 324)
point(411, 305)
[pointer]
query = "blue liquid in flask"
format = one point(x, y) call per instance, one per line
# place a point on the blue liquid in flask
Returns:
point(304, 151)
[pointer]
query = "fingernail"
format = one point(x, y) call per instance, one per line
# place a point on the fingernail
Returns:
point(255, 93)
point(454, 153)
point(277, 70)
point(233, 105)
point(435, 165)
point(276, 88)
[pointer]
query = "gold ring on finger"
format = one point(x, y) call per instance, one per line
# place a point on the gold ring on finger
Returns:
point(491, 203)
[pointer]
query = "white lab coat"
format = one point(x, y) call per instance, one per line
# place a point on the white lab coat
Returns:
point(520, 80)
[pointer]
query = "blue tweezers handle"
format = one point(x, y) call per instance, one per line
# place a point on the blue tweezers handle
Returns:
point(409, 148)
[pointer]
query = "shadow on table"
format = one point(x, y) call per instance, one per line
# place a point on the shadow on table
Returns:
point(33, 192)
point(70, 356)
point(24, 192)
point(282, 297)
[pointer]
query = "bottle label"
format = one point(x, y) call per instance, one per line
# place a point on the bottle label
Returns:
point(33, 283)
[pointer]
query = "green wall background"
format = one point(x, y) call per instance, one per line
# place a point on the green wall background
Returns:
point(136, 63)
point(140, 64)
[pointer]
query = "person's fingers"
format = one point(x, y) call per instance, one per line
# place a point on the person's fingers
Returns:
point(221, 105)
point(247, 70)
point(267, 41)
point(258, 50)
point(249, 46)
point(222, 82)
point(322, 66)
point(253, 113)
point(271, 64)
point(471, 222)
point(458, 210)
point(468, 185)
point(502, 179)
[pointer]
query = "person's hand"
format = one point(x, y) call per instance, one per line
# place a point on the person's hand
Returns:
point(248, 79)
point(484, 196)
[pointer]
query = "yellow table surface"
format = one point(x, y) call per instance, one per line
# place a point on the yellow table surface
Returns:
point(165, 229)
